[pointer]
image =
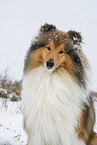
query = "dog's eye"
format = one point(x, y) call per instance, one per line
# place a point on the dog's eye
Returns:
point(48, 48)
point(60, 52)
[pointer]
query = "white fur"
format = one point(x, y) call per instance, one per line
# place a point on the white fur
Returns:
point(51, 106)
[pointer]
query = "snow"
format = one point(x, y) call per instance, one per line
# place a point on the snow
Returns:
point(11, 123)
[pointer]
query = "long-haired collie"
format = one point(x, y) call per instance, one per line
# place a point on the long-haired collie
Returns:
point(57, 105)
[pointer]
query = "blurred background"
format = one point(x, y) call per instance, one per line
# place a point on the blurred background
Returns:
point(20, 21)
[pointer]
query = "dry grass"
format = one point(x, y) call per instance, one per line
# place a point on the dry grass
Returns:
point(10, 89)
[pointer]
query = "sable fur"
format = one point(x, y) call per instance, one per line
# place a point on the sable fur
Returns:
point(57, 104)
point(93, 139)
point(87, 121)
point(72, 50)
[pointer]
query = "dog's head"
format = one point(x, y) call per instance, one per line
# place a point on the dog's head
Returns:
point(54, 49)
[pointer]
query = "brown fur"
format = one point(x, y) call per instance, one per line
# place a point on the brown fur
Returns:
point(72, 59)
point(93, 139)
point(55, 39)
point(86, 123)
point(48, 45)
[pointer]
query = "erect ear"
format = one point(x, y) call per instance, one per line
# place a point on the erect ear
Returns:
point(75, 37)
point(47, 28)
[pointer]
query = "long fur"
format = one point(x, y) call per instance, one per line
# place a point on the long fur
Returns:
point(51, 109)
point(54, 101)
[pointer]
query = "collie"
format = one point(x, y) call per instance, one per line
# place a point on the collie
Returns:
point(57, 105)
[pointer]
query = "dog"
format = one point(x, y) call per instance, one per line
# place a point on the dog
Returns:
point(57, 102)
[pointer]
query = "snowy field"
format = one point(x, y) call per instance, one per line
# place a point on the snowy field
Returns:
point(11, 123)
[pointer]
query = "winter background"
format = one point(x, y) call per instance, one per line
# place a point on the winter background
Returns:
point(20, 21)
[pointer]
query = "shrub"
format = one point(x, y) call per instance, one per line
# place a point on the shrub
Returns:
point(10, 89)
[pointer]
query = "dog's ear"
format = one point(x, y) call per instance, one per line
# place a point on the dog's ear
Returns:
point(75, 37)
point(47, 28)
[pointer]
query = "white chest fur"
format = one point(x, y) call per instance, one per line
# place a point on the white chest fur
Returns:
point(51, 107)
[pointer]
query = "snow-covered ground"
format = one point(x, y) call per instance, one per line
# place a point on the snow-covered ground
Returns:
point(11, 123)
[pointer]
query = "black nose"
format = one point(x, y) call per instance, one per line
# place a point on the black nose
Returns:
point(50, 63)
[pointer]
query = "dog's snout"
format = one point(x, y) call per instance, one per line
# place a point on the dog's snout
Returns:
point(50, 63)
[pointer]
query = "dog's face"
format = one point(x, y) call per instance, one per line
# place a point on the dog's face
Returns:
point(55, 57)
point(54, 49)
